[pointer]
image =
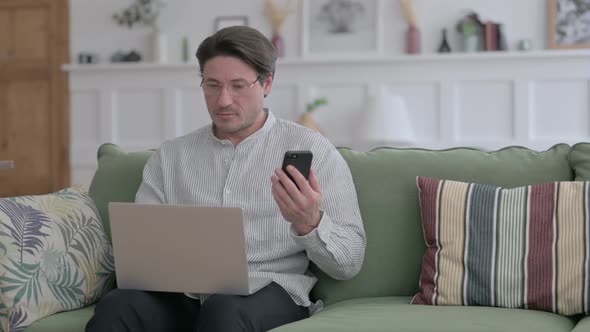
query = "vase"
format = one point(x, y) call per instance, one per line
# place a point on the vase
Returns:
point(471, 43)
point(413, 40)
point(279, 44)
point(185, 50)
point(502, 43)
point(525, 44)
point(159, 46)
point(308, 120)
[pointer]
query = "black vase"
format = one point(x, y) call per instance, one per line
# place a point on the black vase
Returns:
point(444, 45)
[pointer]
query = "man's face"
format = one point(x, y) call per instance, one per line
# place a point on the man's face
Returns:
point(234, 97)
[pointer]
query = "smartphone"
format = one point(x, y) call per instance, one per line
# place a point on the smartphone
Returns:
point(300, 160)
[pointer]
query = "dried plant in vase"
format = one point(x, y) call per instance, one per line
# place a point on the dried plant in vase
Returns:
point(277, 16)
point(413, 43)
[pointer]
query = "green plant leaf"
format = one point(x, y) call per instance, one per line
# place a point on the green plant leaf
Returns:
point(316, 103)
point(80, 235)
point(67, 287)
point(9, 288)
point(11, 280)
point(3, 311)
point(14, 271)
point(107, 264)
point(25, 278)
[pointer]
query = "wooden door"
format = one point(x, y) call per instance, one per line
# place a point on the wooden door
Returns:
point(5, 34)
point(34, 108)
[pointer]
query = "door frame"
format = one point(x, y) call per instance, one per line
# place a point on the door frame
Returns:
point(61, 133)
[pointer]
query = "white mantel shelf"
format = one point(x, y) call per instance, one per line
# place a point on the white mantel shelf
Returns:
point(560, 55)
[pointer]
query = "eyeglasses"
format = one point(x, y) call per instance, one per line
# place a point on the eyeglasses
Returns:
point(235, 88)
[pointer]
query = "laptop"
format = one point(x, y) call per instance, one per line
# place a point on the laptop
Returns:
point(181, 248)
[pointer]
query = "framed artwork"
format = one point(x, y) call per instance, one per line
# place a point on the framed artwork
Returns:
point(569, 23)
point(228, 21)
point(341, 28)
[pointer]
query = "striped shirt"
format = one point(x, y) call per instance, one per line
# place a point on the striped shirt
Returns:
point(199, 169)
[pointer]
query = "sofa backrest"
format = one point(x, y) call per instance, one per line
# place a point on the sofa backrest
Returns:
point(117, 178)
point(385, 180)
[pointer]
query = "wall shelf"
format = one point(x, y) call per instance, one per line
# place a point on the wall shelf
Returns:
point(422, 58)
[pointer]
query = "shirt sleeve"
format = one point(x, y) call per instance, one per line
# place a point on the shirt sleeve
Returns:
point(151, 190)
point(337, 245)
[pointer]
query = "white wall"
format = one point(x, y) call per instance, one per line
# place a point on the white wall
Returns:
point(486, 100)
point(534, 99)
point(94, 30)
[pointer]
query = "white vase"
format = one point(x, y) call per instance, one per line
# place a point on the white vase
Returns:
point(160, 47)
point(471, 43)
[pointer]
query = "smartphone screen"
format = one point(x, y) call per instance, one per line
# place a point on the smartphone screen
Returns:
point(300, 160)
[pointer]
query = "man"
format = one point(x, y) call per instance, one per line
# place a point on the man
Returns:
point(235, 162)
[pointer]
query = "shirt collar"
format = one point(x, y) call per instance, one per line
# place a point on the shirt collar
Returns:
point(268, 124)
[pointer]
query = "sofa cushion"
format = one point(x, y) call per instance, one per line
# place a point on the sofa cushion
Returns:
point(396, 314)
point(54, 256)
point(117, 178)
point(579, 157)
point(583, 325)
point(515, 248)
point(71, 321)
point(385, 181)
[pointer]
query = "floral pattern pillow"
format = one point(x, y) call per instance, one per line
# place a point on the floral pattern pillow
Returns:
point(54, 256)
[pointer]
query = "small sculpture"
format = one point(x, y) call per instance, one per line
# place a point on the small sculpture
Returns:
point(132, 56)
point(444, 45)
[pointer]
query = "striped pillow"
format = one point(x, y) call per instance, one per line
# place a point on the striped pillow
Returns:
point(524, 248)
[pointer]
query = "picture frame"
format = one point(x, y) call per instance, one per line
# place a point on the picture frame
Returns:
point(228, 21)
point(341, 28)
point(568, 24)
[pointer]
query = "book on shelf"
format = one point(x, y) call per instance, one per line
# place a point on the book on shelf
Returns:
point(491, 36)
point(494, 37)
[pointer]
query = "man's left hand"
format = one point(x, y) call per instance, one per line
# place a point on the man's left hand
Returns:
point(299, 206)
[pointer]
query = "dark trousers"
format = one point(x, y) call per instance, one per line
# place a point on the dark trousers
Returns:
point(134, 310)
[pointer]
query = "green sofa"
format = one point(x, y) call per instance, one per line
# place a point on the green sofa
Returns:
point(377, 299)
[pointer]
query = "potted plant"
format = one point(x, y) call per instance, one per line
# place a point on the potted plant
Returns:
point(307, 119)
point(146, 13)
